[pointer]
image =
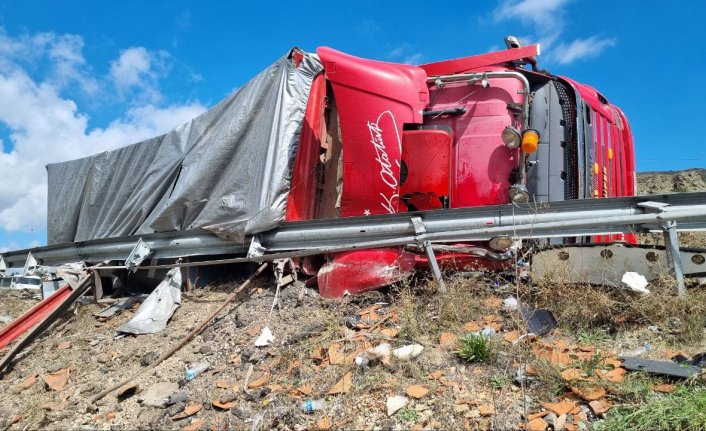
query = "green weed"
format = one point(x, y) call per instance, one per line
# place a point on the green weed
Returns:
point(408, 415)
point(592, 337)
point(473, 347)
point(499, 382)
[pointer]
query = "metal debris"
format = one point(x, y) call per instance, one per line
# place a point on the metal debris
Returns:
point(665, 368)
point(155, 312)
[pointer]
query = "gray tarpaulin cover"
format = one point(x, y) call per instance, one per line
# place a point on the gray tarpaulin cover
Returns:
point(228, 170)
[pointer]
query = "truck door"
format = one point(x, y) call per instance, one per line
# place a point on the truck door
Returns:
point(374, 100)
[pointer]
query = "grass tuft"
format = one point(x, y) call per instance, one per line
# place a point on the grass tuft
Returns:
point(473, 347)
point(592, 337)
point(408, 415)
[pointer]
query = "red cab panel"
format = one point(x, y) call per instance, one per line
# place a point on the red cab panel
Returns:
point(481, 166)
point(374, 100)
point(426, 155)
point(352, 272)
point(467, 64)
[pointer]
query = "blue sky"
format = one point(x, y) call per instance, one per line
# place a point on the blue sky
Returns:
point(78, 77)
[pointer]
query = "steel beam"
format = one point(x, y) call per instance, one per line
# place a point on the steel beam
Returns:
point(554, 219)
point(165, 245)
point(20, 325)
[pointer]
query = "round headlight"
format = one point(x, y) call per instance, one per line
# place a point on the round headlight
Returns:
point(500, 243)
point(511, 137)
point(519, 194)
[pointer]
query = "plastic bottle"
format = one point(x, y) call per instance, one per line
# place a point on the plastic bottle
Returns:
point(197, 369)
point(312, 405)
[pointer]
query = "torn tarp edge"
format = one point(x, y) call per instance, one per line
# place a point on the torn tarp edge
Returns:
point(158, 308)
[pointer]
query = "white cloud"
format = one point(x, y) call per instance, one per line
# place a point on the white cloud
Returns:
point(62, 55)
point(139, 69)
point(46, 127)
point(546, 19)
point(580, 48)
point(405, 54)
point(66, 54)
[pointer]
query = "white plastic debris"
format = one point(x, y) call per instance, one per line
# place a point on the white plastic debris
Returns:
point(488, 332)
point(362, 361)
point(380, 352)
point(409, 351)
point(510, 303)
point(395, 403)
point(639, 351)
point(265, 338)
point(636, 282)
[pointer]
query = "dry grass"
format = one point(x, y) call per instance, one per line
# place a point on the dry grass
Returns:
point(685, 409)
point(551, 384)
point(411, 309)
point(582, 307)
point(589, 315)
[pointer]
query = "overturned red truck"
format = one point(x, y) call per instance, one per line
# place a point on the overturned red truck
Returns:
point(473, 131)
point(333, 135)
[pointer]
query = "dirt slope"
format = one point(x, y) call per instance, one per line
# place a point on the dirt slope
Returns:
point(692, 180)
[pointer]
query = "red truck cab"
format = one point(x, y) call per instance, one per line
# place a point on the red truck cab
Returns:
point(384, 138)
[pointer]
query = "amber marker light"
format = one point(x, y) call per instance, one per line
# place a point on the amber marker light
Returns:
point(530, 141)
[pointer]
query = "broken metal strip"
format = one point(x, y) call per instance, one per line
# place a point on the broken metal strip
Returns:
point(18, 326)
point(138, 254)
point(664, 368)
point(47, 320)
point(30, 264)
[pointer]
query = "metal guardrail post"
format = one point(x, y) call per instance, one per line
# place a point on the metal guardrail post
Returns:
point(138, 254)
point(671, 242)
point(419, 229)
